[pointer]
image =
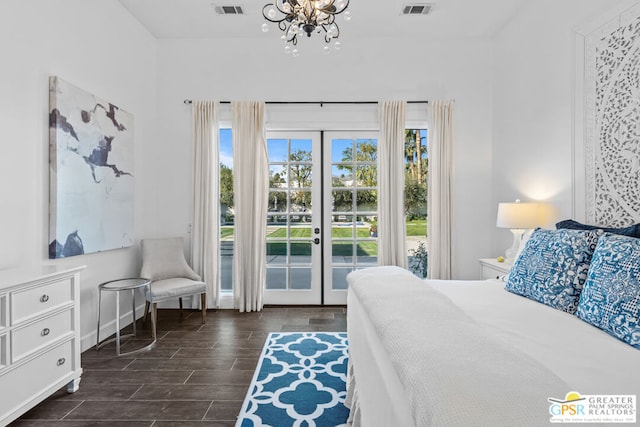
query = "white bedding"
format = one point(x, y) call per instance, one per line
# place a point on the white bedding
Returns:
point(526, 352)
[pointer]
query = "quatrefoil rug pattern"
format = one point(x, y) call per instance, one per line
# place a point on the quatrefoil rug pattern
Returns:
point(300, 381)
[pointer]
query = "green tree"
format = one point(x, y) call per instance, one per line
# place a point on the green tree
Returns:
point(415, 152)
point(277, 201)
point(410, 151)
point(226, 186)
point(416, 165)
point(299, 172)
point(226, 193)
point(275, 180)
point(365, 172)
point(300, 177)
point(415, 199)
point(366, 169)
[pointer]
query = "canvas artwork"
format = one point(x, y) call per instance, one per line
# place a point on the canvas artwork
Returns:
point(91, 173)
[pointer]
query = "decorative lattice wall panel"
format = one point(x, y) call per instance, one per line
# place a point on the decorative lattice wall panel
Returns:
point(612, 122)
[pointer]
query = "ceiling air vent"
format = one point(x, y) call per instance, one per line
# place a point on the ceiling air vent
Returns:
point(228, 10)
point(416, 9)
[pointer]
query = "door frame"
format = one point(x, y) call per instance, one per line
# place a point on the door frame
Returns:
point(336, 296)
point(312, 296)
point(321, 292)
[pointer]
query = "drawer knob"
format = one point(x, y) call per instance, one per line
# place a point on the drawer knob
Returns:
point(61, 361)
point(45, 332)
point(44, 298)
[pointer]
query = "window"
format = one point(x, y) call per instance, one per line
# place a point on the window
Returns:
point(415, 195)
point(353, 202)
point(227, 223)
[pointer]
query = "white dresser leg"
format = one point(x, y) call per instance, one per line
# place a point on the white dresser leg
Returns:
point(73, 385)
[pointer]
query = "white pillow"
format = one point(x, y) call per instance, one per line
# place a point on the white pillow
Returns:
point(164, 259)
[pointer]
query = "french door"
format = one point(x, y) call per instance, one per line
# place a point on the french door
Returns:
point(294, 219)
point(322, 215)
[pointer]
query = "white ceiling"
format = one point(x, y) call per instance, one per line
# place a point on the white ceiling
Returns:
point(457, 19)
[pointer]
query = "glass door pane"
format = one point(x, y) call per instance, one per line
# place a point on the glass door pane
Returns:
point(350, 208)
point(227, 212)
point(293, 257)
point(415, 202)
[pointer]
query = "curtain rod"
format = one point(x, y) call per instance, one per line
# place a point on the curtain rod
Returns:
point(189, 102)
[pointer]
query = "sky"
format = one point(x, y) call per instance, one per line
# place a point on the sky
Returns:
point(278, 148)
point(226, 150)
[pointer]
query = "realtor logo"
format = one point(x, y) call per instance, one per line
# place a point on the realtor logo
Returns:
point(576, 408)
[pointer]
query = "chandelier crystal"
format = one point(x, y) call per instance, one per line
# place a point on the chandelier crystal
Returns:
point(297, 17)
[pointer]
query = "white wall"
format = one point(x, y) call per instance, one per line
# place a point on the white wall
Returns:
point(363, 70)
point(97, 46)
point(533, 105)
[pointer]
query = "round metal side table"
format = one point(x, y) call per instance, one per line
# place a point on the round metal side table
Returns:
point(117, 286)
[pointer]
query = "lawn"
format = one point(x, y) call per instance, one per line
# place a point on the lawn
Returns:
point(417, 227)
point(305, 232)
point(363, 248)
point(226, 231)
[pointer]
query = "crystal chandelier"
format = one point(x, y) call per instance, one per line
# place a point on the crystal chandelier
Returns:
point(297, 17)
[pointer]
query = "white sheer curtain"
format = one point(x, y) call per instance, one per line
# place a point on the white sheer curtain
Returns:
point(440, 126)
point(392, 248)
point(250, 194)
point(206, 219)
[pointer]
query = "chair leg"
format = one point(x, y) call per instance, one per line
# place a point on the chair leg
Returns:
point(203, 300)
point(180, 299)
point(146, 311)
point(154, 320)
point(155, 314)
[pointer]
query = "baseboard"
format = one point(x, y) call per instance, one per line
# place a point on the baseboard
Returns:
point(226, 301)
point(109, 328)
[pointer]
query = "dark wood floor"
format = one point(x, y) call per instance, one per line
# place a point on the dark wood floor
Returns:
point(197, 375)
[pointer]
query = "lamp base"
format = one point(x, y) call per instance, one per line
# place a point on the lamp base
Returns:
point(510, 254)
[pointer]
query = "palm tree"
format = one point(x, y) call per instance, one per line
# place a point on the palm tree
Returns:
point(419, 154)
point(410, 150)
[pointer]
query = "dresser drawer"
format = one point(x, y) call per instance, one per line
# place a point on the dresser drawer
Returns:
point(29, 338)
point(492, 273)
point(32, 302)
point(29, 380)
point(4, 313)
point(4, 352)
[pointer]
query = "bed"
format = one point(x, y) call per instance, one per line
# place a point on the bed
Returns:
point(437, 353)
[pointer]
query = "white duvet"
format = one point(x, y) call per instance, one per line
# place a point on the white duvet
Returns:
point(470, 353)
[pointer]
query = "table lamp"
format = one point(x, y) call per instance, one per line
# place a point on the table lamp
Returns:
point(518, 217)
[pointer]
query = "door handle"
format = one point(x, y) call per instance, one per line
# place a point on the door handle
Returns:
point(316, 230)
point(316, 240)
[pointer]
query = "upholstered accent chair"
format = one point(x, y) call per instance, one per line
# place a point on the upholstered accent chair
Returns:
point(163, 263)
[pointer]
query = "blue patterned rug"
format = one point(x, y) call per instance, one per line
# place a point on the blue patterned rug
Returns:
point(300, 381)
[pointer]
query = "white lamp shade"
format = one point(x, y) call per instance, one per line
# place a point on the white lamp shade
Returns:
point(519, 215)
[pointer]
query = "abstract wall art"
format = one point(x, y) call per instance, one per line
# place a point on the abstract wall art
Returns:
point(91, 203)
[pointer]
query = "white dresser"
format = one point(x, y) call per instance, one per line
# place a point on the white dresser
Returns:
point(39, 336)
point(490, 268)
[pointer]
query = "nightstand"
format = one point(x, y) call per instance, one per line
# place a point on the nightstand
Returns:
point(492, 269)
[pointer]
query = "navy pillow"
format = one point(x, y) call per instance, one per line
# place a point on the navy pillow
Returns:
point(631, 231)
point(610, 299)
point(553, 267)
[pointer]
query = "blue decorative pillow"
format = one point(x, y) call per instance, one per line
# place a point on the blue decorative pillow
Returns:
point(632, 230)
point(553, 267)
point(610, 299)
